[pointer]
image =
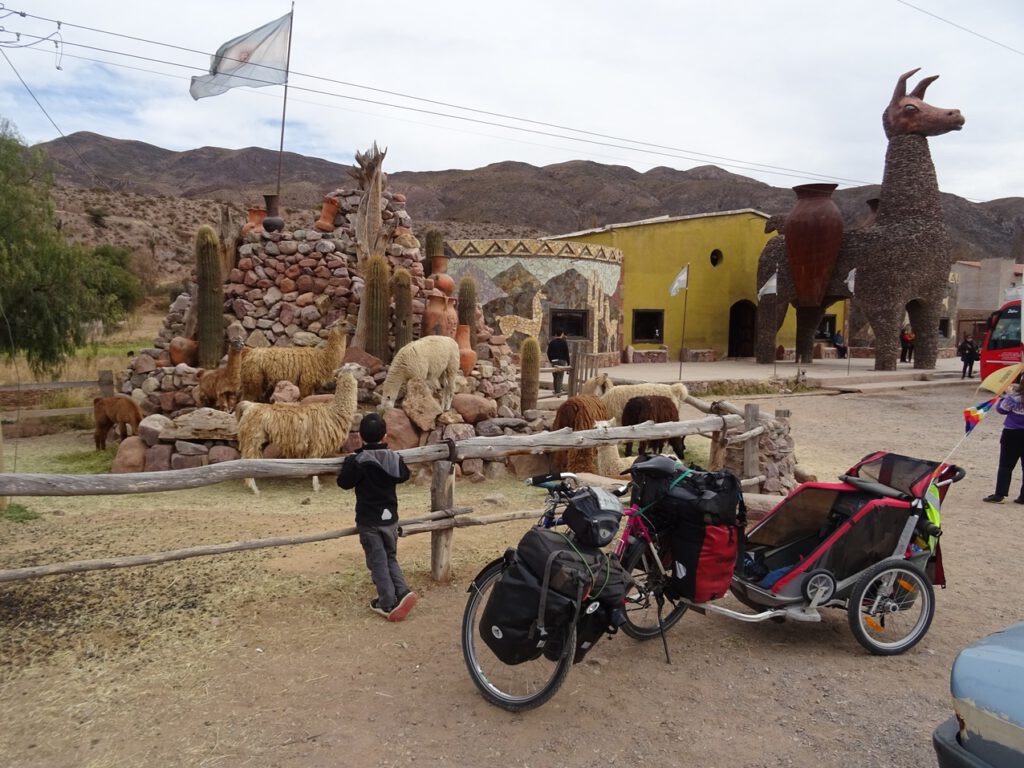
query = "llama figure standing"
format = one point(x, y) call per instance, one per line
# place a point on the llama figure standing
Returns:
point(902, 257)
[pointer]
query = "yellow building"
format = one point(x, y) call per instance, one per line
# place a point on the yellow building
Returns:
point(720, 251)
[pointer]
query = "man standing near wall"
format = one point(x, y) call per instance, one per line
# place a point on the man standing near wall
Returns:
point(558, 354)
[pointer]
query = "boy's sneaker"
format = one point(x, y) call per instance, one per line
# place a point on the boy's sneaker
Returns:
point(405, 604)
point(375, 607)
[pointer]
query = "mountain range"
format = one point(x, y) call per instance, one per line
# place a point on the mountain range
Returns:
point(152, 199)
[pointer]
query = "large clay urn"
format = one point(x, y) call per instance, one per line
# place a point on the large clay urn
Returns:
point(272, 222)
point(255, 221)
point(467, 355)
point(451, 316)
point(434, 319)
point(814, 233)
point(326, 221)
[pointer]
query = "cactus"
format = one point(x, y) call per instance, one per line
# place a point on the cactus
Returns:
point(209, 298)
point(401, 289)
point(435, 243)
point(529, 353)
point(375, 294)
point(467, 307)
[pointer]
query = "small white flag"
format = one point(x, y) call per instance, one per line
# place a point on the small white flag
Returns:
point(254, 59)
point(850, 279)
point(770, 286)
point(681, 281)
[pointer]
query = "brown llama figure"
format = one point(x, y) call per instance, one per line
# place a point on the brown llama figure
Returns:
point(218, 388)
point(578, 413)
point(119, 410)
point(656, 408)
point(902, 257)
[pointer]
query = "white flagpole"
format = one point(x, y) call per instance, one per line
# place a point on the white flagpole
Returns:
point(846, 335)
point(682, 337)
point(284, 106)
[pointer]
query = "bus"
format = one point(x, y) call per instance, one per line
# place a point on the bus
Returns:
point(1002, 339)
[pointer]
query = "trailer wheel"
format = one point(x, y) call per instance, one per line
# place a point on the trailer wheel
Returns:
point(891, 608)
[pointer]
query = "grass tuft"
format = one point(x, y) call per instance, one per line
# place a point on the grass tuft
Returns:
point(18, 513)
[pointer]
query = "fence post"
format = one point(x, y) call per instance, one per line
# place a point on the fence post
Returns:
point(750, 463)
point(106, 383)
point(3, 499)
point(442, 485)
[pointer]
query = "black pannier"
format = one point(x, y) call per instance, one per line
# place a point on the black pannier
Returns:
point(515, 626)
point(666, 492)
point(593, 514)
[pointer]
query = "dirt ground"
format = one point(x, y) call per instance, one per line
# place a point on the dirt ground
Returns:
point(271, 658)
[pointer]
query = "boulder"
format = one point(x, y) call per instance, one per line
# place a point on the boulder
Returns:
point(219, 453)
point(401, 433)
point(474, 408)
point(131, 456)
point(525, 465)
point(158, 458)
point(419, 404)
point(151, 427)
point(285, 392)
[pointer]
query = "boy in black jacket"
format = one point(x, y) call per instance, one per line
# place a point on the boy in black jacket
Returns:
point(374, 471)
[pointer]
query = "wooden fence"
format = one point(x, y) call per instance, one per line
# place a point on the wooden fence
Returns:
point(720, 424)
point(104, 383)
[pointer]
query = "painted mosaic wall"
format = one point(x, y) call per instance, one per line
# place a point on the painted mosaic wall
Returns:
point(519, 282)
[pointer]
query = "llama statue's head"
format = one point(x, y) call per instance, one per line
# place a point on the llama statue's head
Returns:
point(908, 114)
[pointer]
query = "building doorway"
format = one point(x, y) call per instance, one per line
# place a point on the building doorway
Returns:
point(742, 329)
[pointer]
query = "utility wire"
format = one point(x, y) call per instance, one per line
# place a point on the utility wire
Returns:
point(688, 153)
point(960, 27)
point(54, 124)
point(644, 148)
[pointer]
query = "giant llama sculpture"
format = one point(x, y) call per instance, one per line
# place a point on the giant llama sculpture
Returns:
point(902, 257)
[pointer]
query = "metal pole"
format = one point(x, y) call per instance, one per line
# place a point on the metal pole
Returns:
point(846, 335)
point(682, 337)
point(284, 106)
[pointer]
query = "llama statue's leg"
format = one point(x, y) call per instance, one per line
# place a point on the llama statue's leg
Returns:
point(885, 323)
point(807, 321)
point(925, 315)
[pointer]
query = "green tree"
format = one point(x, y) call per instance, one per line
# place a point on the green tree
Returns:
point(48, 288)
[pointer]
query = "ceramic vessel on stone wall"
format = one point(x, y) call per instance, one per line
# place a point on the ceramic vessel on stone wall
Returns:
point(326, 221)
point(451, 317)
point(434, 316)
point(273, 222)
point(467, 356)
point(814, 234)
point(255, 221)
point(444, 283)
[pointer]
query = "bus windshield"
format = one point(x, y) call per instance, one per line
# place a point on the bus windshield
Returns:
point(1006, 332)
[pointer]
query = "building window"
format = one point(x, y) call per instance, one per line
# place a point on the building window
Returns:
point(716, 257)
point(944, 327)
point(648, 326)
point(827, 328)
point(572, 321)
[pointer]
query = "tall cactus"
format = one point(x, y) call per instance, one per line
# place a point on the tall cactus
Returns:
point(435, 249)
point(401, 289)
point(467, 307)
point(529, 353)
point(209, 297)
point(375, 294)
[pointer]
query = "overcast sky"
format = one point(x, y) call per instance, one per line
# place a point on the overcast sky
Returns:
point(794, 84)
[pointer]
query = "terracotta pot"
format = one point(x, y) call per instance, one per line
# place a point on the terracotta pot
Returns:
point(272, 222)
point(326, 221)
point(814, 234)
point(467, 356)
point(444, 283)
point(434, 316)
point(256, 216)
point(451, 317)
point(438, 264)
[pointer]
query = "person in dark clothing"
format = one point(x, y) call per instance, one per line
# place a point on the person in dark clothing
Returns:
point(840, 344)
point(558, 354)
point(968, 351)
point(907, 345)
point(1011, 444)
point(374, 471)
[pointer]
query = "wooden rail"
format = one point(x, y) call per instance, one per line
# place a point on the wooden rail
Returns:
point(104, 383)
point(440, 523)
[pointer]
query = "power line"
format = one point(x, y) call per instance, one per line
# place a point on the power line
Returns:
point(667, 151)
point(960, 27)
point(95, 176)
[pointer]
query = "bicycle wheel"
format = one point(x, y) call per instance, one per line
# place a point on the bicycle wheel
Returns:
point(642, 601)
point(515, 688)
point(891, 608)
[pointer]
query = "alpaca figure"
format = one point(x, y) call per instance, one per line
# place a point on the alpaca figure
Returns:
point(219, 387)
point(902, 257)
point(314, 431)
point(307, 367)
point(434, 359)
point(615, 396)
point(656, 408)
point(120, 411)
point(578, 413)
point(528, 326)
